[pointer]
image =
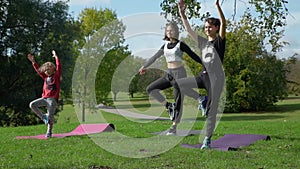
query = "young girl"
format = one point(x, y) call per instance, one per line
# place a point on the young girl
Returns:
point(173, 51)
point(213, 77)
point(51, 75)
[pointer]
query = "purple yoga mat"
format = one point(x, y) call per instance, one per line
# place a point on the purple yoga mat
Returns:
point(231, 141)
point(82, 129)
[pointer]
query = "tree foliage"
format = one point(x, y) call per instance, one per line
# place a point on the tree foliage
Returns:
point(113, 67)
point(37, 27)
point(293, 76)
point(170, 10)
point(255, 78)
point(92, 19)
point(268, 17)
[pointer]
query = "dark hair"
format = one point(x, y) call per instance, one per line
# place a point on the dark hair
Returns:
point(213, 21)
point(176, 29)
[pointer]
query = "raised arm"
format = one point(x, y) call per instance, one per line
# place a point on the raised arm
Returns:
point(181, 8)
point(222, 30)
point(35, 65)
point(57, 61)
point(54, 54)
point(31, 58)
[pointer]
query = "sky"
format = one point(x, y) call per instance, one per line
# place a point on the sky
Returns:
point(145, 26)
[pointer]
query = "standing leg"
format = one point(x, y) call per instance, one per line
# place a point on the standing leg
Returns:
point(213, 105)
point(51, 108)
point(217, 84)
point(179, 91)
point(176, 74)
point(178, 96)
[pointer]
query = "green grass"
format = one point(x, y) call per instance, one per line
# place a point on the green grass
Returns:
point(282, 151)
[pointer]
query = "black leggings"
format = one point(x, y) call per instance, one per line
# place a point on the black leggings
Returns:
point(169, 80)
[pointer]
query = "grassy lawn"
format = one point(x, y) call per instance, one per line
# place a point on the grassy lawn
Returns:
point(134, 139)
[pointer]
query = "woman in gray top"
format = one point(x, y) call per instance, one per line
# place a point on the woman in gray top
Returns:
point(212, 49)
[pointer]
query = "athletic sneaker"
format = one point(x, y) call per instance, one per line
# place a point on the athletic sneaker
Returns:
point(172, 130)
point(45, 119)
point(171, 110)
point(206, 143)
point(48, 135)
point(202, 105)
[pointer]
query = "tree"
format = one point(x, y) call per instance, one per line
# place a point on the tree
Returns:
point(37, 27)
point(293, 77)
point(255, 79)
point(100, 54)
point(113, 73)
point(135, 85)
point(123, 78)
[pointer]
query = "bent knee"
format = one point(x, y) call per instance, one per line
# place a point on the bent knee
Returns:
point(31, 104)
point(148, 90)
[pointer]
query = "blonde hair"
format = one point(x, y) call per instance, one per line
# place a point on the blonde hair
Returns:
point(174, 26)
point(46, 66)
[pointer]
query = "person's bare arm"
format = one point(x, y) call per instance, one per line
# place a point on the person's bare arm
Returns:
point(181, 8)
point(222, 30)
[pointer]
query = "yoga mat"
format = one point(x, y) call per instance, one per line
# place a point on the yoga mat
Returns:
point(231, 141)
point(82, 129)
point(181, 132)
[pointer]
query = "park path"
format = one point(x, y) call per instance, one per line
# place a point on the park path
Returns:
point(130, 114)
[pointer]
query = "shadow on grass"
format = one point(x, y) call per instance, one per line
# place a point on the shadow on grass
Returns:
point(286, 138)
point(292, 97)
point(253, 117)
point(242, 117)
point(136, 98)
point(285, 108)
point(144, 106)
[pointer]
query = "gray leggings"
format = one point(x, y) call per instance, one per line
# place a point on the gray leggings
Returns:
point(169, 80)
point(51, 105)
point(214, 85)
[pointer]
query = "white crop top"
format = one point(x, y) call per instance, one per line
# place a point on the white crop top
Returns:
point(174, 54)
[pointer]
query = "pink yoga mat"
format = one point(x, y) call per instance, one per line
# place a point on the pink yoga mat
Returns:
point(82, 129)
